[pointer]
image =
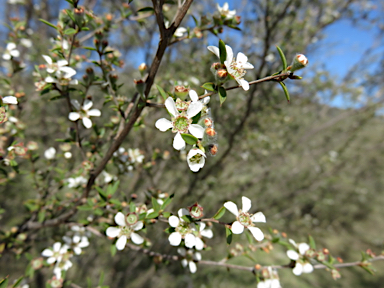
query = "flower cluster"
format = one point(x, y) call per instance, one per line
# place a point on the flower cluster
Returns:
point(244, 219)
point(127, 159)
point(302, 264)
point(60, 254)
point(270, 278)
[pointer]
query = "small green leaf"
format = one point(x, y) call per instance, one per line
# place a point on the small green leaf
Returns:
point(85, 29)
point(70, 31)
point(18, 281)
point(283, 59)
point(219, 213)
point(228, 234)
point(285, 91)
point(223, 51)
point(155, 204)
point(363, 265)
point(41, 216)
point(223, 95)
point(167, 214)
point(312, 243)
point(90, 48)
point(101, 279)
point(166, 202)
point(4, 283)
point(48, 23)
point(132, 207)
point(152, 215)
point(209, 86)
point(191, 140)
point(162, 92)
point(146, 9)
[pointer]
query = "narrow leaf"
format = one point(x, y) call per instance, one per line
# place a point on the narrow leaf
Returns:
point(155, 204)
point(162, 92)
point(209, 86)
point(282, 56)
point(70, 31)
point(219, 213)
point(312, 243)
point(146, 9)
point(228, 234)
point(48, 23)
point(285, 91)
point(223, 51)
point(223, 95)
point(191, 140)
point(18, 281)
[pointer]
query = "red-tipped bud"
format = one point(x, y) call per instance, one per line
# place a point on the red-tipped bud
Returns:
point(196, 211)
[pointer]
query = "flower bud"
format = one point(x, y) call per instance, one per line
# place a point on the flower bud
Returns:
point(79, 16)
point(142, 67)
point(213, 149)
point(222, 74)
point(196, 211)
point(299, 62)
point(208, 122)
point(140, 86)
point(181, 91)
point(210, 132)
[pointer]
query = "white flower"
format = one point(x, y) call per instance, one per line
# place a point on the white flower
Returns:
point(67, 155)
point(76, 181)
point(181, 121)
point(9, 100)
point(11, 51)
point(225, 12)
point(63, 73)
point(84, 112)
point(76, 243)
point(183, 231)
point(135, 155)
point(56, 253)
point(50, 153)
point(236, 68)
point(179, 32)
point(195, 159)
point(190, 258)
point(125, 230)
point(244, 219)
point(62, 265)
point(302, 265)
point(26, 42)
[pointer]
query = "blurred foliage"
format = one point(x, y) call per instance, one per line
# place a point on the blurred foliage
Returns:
point(310, 167)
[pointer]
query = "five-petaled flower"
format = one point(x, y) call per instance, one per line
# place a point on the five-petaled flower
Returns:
point(235, 67)
point(84, 112)
point(182, 230)
point(63, 73)
point(244, 219)
point(11, 51)
point(302, 264)
point(181, 120)
point(225, 12)
point(127, 225)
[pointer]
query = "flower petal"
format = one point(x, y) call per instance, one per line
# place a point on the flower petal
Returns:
point(9, 100)
point(193, 95)
point(243, 83)
point(237, 227)
point(112, 232)
point(303, 247)
point(196, 130)
point(232, 207)
point(47, 59)
point(94, 113)
point(215, 50)
point(194, 108)
point(171, 106)
point(178, 142)
point(121, 242)
point(75, 104)
point(68, 72)
point(246, 204)
point(207, 233)
point(175, 239)
point(87, 122)
point(136, 238)
point(163, 124)
point(241, 59)
point(182, 212)
point(192, 267)
point(229, 51)
point(257, 233)
point(307, 268)
point(196, 256)
point(298, 269)
point(293, 255)
point(182, 251)
point(184, 262)
point(173, 221)
point(87, 104)
point(199, 244)
point(73, 116)
point(47, 253)
point(258, 217)
point(120, 219)
point(190, 240)
point(138, 226)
